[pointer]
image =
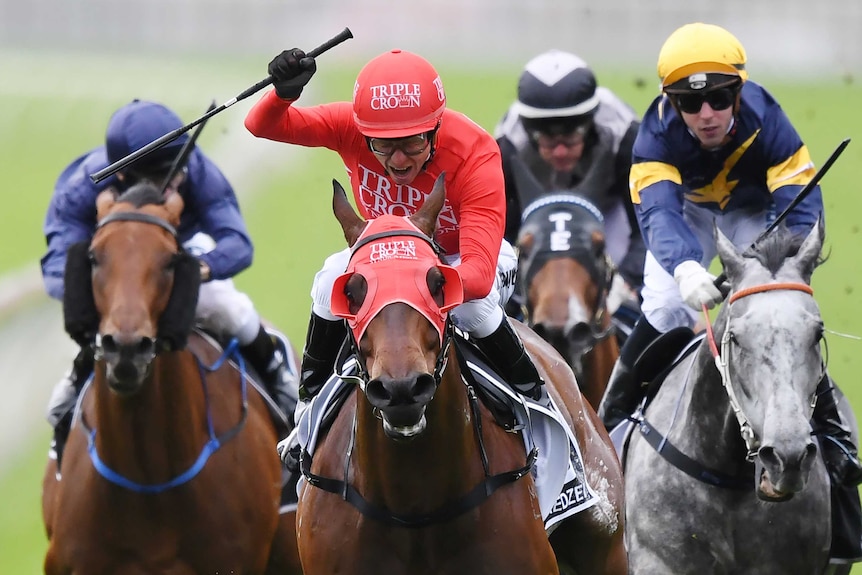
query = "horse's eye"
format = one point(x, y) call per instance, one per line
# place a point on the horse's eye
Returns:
point(355, 291)
point(435, 280)
point(91, 256)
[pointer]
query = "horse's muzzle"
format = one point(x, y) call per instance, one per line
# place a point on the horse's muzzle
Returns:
point(127, 361)
point(402, 402)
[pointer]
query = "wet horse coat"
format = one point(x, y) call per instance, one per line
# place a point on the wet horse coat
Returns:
point(738, 487)
point(414, 476)
point(170, 466)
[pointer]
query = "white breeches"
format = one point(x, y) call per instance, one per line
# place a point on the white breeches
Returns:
point(222, 308)
point(662, 303)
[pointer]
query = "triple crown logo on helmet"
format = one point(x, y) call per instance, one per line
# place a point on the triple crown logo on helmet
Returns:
point(401, 95)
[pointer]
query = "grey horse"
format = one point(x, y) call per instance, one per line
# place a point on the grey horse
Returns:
point(722, 473)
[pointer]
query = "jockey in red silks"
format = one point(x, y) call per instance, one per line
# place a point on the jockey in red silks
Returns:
point(395, 139)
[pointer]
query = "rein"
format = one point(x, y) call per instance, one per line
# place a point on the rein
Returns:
point(682, 461)
point(211, 446)
point(450, 510)
point(752, 443)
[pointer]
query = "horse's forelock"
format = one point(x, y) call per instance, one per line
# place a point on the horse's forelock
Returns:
point(142, 194)
point(774, 249)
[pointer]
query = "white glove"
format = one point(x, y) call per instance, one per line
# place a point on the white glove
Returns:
point(696, 285)
point(283, 446)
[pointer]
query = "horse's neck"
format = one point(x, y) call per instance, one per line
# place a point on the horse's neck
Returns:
point(167, 411)
point(446, 451)
point(704, 421)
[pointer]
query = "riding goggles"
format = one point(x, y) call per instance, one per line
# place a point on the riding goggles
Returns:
point(570, 140)
point(718, 99)
point(410, 146)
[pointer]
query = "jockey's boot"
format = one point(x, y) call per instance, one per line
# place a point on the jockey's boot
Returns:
point(268, 354)
point(624, 392)
point(61, 405)
point(839, 453)
point(506, 352)
point(322, 342)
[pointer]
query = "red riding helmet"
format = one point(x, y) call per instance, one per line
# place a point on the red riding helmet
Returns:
point(397, 94)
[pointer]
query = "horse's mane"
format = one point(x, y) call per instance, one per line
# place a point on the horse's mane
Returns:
point(778, 245)
point(142, 194)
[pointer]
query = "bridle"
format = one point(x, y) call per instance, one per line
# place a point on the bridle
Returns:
point(601, 270)
point(683, 462)
point(752, 442)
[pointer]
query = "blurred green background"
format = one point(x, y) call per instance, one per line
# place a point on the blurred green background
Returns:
point(287, 201)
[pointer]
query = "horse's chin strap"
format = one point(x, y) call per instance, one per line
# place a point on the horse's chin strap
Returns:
point(752, 443)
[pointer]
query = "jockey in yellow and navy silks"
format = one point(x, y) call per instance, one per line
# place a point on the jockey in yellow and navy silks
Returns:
point(758, 169)
point(716, 150)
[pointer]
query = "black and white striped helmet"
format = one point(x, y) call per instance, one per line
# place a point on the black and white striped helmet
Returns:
point(556, 93)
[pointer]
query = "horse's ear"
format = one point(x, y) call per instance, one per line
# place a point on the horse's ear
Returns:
point(174, 204)
point(808, 256)
point(730, 257)
point(425, 217)
point(351, 223)
point(525, 243)
point(105, 201)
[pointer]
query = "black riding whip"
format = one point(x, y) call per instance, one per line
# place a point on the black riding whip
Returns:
point(171, 136)
point(185, 152)
point(799, 197)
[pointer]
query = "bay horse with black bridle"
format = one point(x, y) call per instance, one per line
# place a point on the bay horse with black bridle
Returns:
point(170, 466)
point(414, 475)
point(564, 276)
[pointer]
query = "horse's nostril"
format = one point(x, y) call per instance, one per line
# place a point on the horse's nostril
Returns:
point(146, 346)
point(377, 393)
point(769, 457)
point(424, 388)
point(109, 345)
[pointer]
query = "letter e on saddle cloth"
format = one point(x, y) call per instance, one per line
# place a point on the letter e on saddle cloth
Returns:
point(558, 472)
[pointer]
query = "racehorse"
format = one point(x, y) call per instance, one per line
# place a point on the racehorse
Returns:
point(564, 275)
point(414, 476)
point(722, 475)
point(170, 466)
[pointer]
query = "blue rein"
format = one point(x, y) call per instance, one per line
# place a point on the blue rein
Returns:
point(211, 446)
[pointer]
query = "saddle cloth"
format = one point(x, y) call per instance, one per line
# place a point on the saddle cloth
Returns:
point(561, 482)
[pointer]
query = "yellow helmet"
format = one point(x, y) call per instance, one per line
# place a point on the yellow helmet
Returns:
point(703, 50)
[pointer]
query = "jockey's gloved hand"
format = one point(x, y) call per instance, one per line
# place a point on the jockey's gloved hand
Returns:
point(291, 70)
point(696, 285)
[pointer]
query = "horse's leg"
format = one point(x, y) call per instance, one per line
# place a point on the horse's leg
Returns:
point(584, 544)
point(284, 557)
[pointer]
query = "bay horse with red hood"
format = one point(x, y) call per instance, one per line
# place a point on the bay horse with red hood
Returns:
point(415, 475)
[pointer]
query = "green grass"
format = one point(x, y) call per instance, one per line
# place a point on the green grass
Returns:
point(293, 229)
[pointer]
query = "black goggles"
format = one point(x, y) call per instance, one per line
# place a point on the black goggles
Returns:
point(411, 146)
point(719, 99)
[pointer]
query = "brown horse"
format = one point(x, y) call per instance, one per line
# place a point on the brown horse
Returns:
point(414, 476)
point(565, 275)
point(171, 465)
